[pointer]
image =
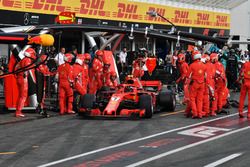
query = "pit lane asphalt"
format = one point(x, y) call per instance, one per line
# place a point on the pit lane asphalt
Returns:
point(41, 141)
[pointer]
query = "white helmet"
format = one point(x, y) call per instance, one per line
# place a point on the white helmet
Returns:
point(196, 55)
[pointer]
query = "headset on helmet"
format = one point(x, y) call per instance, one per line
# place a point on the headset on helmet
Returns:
point(181, 57)
point(80, 59)
point(68, 57)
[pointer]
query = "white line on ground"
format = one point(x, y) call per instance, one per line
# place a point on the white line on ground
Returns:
point(184, 148)
point(224, 160)
point(131, 141)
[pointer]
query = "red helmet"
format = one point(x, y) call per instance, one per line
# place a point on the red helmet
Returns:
point(196, 55)
point(87, 56)
point(30, 53)
point(181, 57)
point(80, 59)
point(68, 57)
point(106, 60)
point(99, 53)
point(113, 74)
point(214, 57)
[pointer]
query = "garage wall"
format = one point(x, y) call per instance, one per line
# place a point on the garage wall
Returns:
point(240, 22)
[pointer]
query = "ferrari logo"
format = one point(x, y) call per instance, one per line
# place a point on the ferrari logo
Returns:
point(248, 72)
point(200, 71)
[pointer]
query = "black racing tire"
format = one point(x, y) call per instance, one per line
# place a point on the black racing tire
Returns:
point(166, 99)
point(76, 101)
point(86, 102)
point(105, 88)
point(145, 102)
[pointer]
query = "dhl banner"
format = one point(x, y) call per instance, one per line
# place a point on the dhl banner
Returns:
point(121, 10)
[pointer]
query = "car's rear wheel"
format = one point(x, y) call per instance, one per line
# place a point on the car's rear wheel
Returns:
point(167, 99)
point(145, 102)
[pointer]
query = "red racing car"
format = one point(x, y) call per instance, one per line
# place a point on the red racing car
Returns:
point(134, 98)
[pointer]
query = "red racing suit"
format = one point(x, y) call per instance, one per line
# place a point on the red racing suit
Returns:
point(209, 90)
point(96, 73)
point(137, 71)
point(44, 70)
point(113, 84)
point(220, 84)
point(66, 81)
point(225, 95)
point(245, 88)
point(85, 76)
point(106, 78)
point(196, 75)
point(22, 83)
point(79, 78)
point(183, 72)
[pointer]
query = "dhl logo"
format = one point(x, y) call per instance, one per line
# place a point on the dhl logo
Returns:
point(221, 19)
point(179, 14)
point(161, 11)
point(92, 7)
point(202, 16)
point(181, 17)
point(127, 11)
point(11, 3)
point(51, 5)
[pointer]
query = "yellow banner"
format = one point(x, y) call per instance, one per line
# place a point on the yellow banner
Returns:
point(121, 10)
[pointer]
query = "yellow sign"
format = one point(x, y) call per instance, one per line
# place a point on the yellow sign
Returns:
point(121, 10)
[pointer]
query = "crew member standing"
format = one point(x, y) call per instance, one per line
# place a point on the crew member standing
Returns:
point(66, 81)
point(137, 70)
point(96, 73)
point(113, 78)
point(232, 69)
point(41, 72)
point(106, 72)
point(78, 74)
point(220, 83)
point(122, 58)
point(183, 72)
point(245, 88)
point(196, 77)
point(22, 80)
point(209, 86)
point(60, 56)
point(87, 59)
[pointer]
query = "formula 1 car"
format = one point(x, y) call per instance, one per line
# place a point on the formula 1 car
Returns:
point(134, 98)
